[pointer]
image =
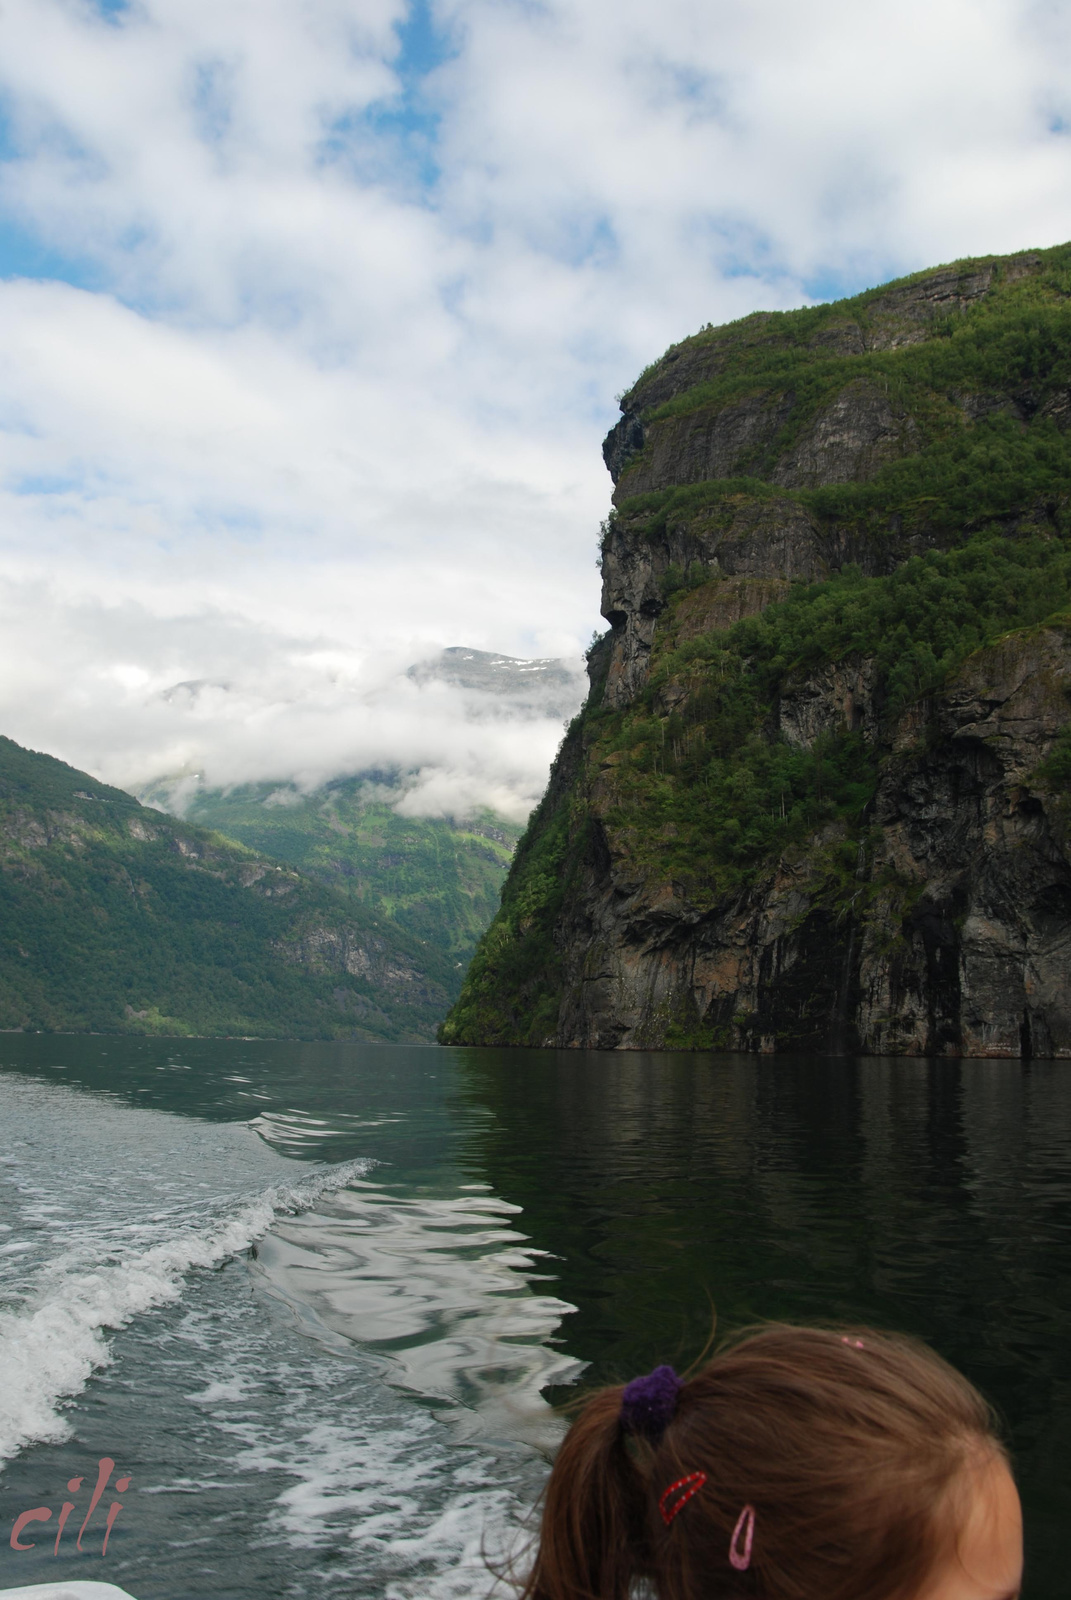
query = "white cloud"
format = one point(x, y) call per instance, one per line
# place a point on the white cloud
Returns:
point(117, 691)
point(329, 376)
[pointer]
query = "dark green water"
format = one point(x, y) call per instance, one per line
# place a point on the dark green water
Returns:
point(651, 1190)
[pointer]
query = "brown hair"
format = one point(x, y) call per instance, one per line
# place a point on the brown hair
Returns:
point(847, 1443)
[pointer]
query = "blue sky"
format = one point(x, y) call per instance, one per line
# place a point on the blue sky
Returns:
point(312, 313)
point(23, 252)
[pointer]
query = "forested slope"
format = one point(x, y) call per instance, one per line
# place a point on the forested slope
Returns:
point(437, 878)
point(116, 918)
point(818, 796)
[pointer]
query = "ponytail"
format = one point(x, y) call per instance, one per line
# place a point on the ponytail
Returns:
point(802, 1462)
point(591, 1539)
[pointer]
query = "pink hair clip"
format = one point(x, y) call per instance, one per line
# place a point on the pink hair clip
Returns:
point(745, 1523)
point(691, 1484)
point(856, 1344)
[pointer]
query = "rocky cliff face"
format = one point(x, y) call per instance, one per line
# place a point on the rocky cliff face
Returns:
point(818, 797)
point(947, 931)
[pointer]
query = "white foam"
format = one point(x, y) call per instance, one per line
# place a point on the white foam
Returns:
point(52, 1344)
point(396, 1507)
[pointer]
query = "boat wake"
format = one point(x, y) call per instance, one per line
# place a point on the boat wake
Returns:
point(84, 1258)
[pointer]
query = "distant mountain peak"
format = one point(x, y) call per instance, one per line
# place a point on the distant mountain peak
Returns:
point(514, 677)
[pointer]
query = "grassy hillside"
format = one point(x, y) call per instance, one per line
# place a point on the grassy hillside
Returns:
point(436, 878)
point(115, 918)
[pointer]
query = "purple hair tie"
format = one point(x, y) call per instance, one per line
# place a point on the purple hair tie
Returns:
point(649, 1404)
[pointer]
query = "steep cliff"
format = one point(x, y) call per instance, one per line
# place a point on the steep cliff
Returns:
point(818, 798)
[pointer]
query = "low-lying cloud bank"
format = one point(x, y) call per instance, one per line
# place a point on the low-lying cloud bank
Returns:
point(115, 691)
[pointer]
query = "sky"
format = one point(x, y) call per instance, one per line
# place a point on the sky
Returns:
point(313, 314)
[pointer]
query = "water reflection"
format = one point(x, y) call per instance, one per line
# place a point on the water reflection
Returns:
point(440, 1284)
point(930, 1196)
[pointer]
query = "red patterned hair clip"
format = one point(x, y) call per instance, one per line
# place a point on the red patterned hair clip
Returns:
point(679, 1494)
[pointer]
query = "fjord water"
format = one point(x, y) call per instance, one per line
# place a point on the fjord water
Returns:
point(315, 1298)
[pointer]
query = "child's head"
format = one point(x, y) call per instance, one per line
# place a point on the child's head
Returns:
point(800, 1464)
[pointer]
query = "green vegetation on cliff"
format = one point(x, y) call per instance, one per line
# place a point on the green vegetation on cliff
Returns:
point(685, 789)
point(117, 919)
point(953, 399)
point(705, 792)
point(510, 992)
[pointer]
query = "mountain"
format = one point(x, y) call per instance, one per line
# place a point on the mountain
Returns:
point(117, 919)
point(818, 797)
point(537, 688)
point(437, 879)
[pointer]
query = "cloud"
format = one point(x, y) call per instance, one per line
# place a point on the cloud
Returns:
point(324, 303)
point(116, 691)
